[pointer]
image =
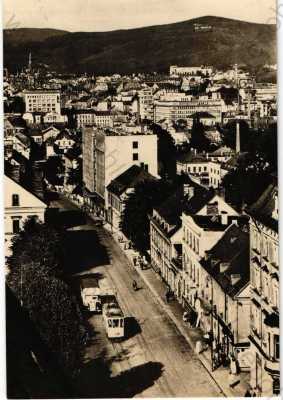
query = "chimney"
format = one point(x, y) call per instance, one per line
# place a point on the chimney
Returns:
point(224, 218)
point(189, 191)
point(238, 143)
point(235, 279)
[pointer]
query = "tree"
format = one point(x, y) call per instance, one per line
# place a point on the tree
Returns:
point(17, 106)
point(166, 152)
point(139, 205)
point(54, 170)
point(34, 279)
point(244, 185)
point(198, 139)
point(75, 176)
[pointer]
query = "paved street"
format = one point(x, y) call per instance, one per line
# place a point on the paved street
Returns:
point(154, 360)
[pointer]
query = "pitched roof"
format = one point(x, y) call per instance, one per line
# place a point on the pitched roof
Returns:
point(64, 134)
point(171, 209)
point(129, 179)
point(192, 157)
point(232, 250)
point(263, 208)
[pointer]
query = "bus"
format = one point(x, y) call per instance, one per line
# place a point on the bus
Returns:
point(92, 292)
point(113, 318)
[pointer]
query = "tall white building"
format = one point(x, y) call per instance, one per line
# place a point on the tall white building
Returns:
point(107, 153)
point(42, 100)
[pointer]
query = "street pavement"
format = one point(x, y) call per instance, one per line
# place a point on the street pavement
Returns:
point(154, 360)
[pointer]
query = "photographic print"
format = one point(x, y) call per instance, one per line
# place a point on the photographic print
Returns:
point(141, 198)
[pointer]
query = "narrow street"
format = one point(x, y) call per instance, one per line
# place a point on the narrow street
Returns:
point(154, 360)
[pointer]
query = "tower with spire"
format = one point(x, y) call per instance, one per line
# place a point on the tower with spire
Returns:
point(29, 62)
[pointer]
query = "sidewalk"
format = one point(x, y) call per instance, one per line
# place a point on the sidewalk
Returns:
point(175, 312)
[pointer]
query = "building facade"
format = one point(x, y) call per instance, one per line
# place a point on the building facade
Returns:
point(20, 204)
point(265, 295)
point(42, 101)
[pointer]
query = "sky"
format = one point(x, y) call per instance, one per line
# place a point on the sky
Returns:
point(106, 15)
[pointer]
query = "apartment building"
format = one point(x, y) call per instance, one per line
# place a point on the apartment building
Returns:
point(172, 107)
point(223, 296)
point(109, 152)
point(145, 96)
point(203, 222)
point(42, 100)
point(265, 295)
point(166, 234)
point(201, 169)
point(94, 117)
point(119, 189)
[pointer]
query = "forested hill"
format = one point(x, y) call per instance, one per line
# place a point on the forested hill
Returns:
point(144, 49)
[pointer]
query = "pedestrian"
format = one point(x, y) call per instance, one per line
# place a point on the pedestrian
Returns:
point(185, 316)
point(248, 393)
point(135, 285)
point(135, 261)
point(167, 296)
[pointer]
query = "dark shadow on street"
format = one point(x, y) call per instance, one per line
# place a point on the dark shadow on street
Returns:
point(83, 250)
point(65, 218)
point(132, 327)
point(95, 380)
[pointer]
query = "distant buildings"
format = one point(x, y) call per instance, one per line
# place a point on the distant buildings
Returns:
point(265, 295)
point(201, 169)
point(180, 106)
point(94, 117)
point(42, 100)
point(186, 71)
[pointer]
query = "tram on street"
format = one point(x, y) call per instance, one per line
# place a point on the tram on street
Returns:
point(114, 320)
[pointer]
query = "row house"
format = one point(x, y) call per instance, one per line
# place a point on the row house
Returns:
point(119, 189)
point(166, 233)
point(223, 296)
point(203, 225)
point(265, 296)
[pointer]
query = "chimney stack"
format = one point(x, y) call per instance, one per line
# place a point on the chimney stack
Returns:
point(238, 142)
point(224, 218)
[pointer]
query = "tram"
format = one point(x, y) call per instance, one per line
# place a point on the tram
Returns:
point(113, 318)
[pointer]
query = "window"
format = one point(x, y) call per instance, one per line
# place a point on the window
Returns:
point(276, 347)
point(115, 323)
point(135, 145)
point(16, 225)
point(135, 156)
point(15, 200)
